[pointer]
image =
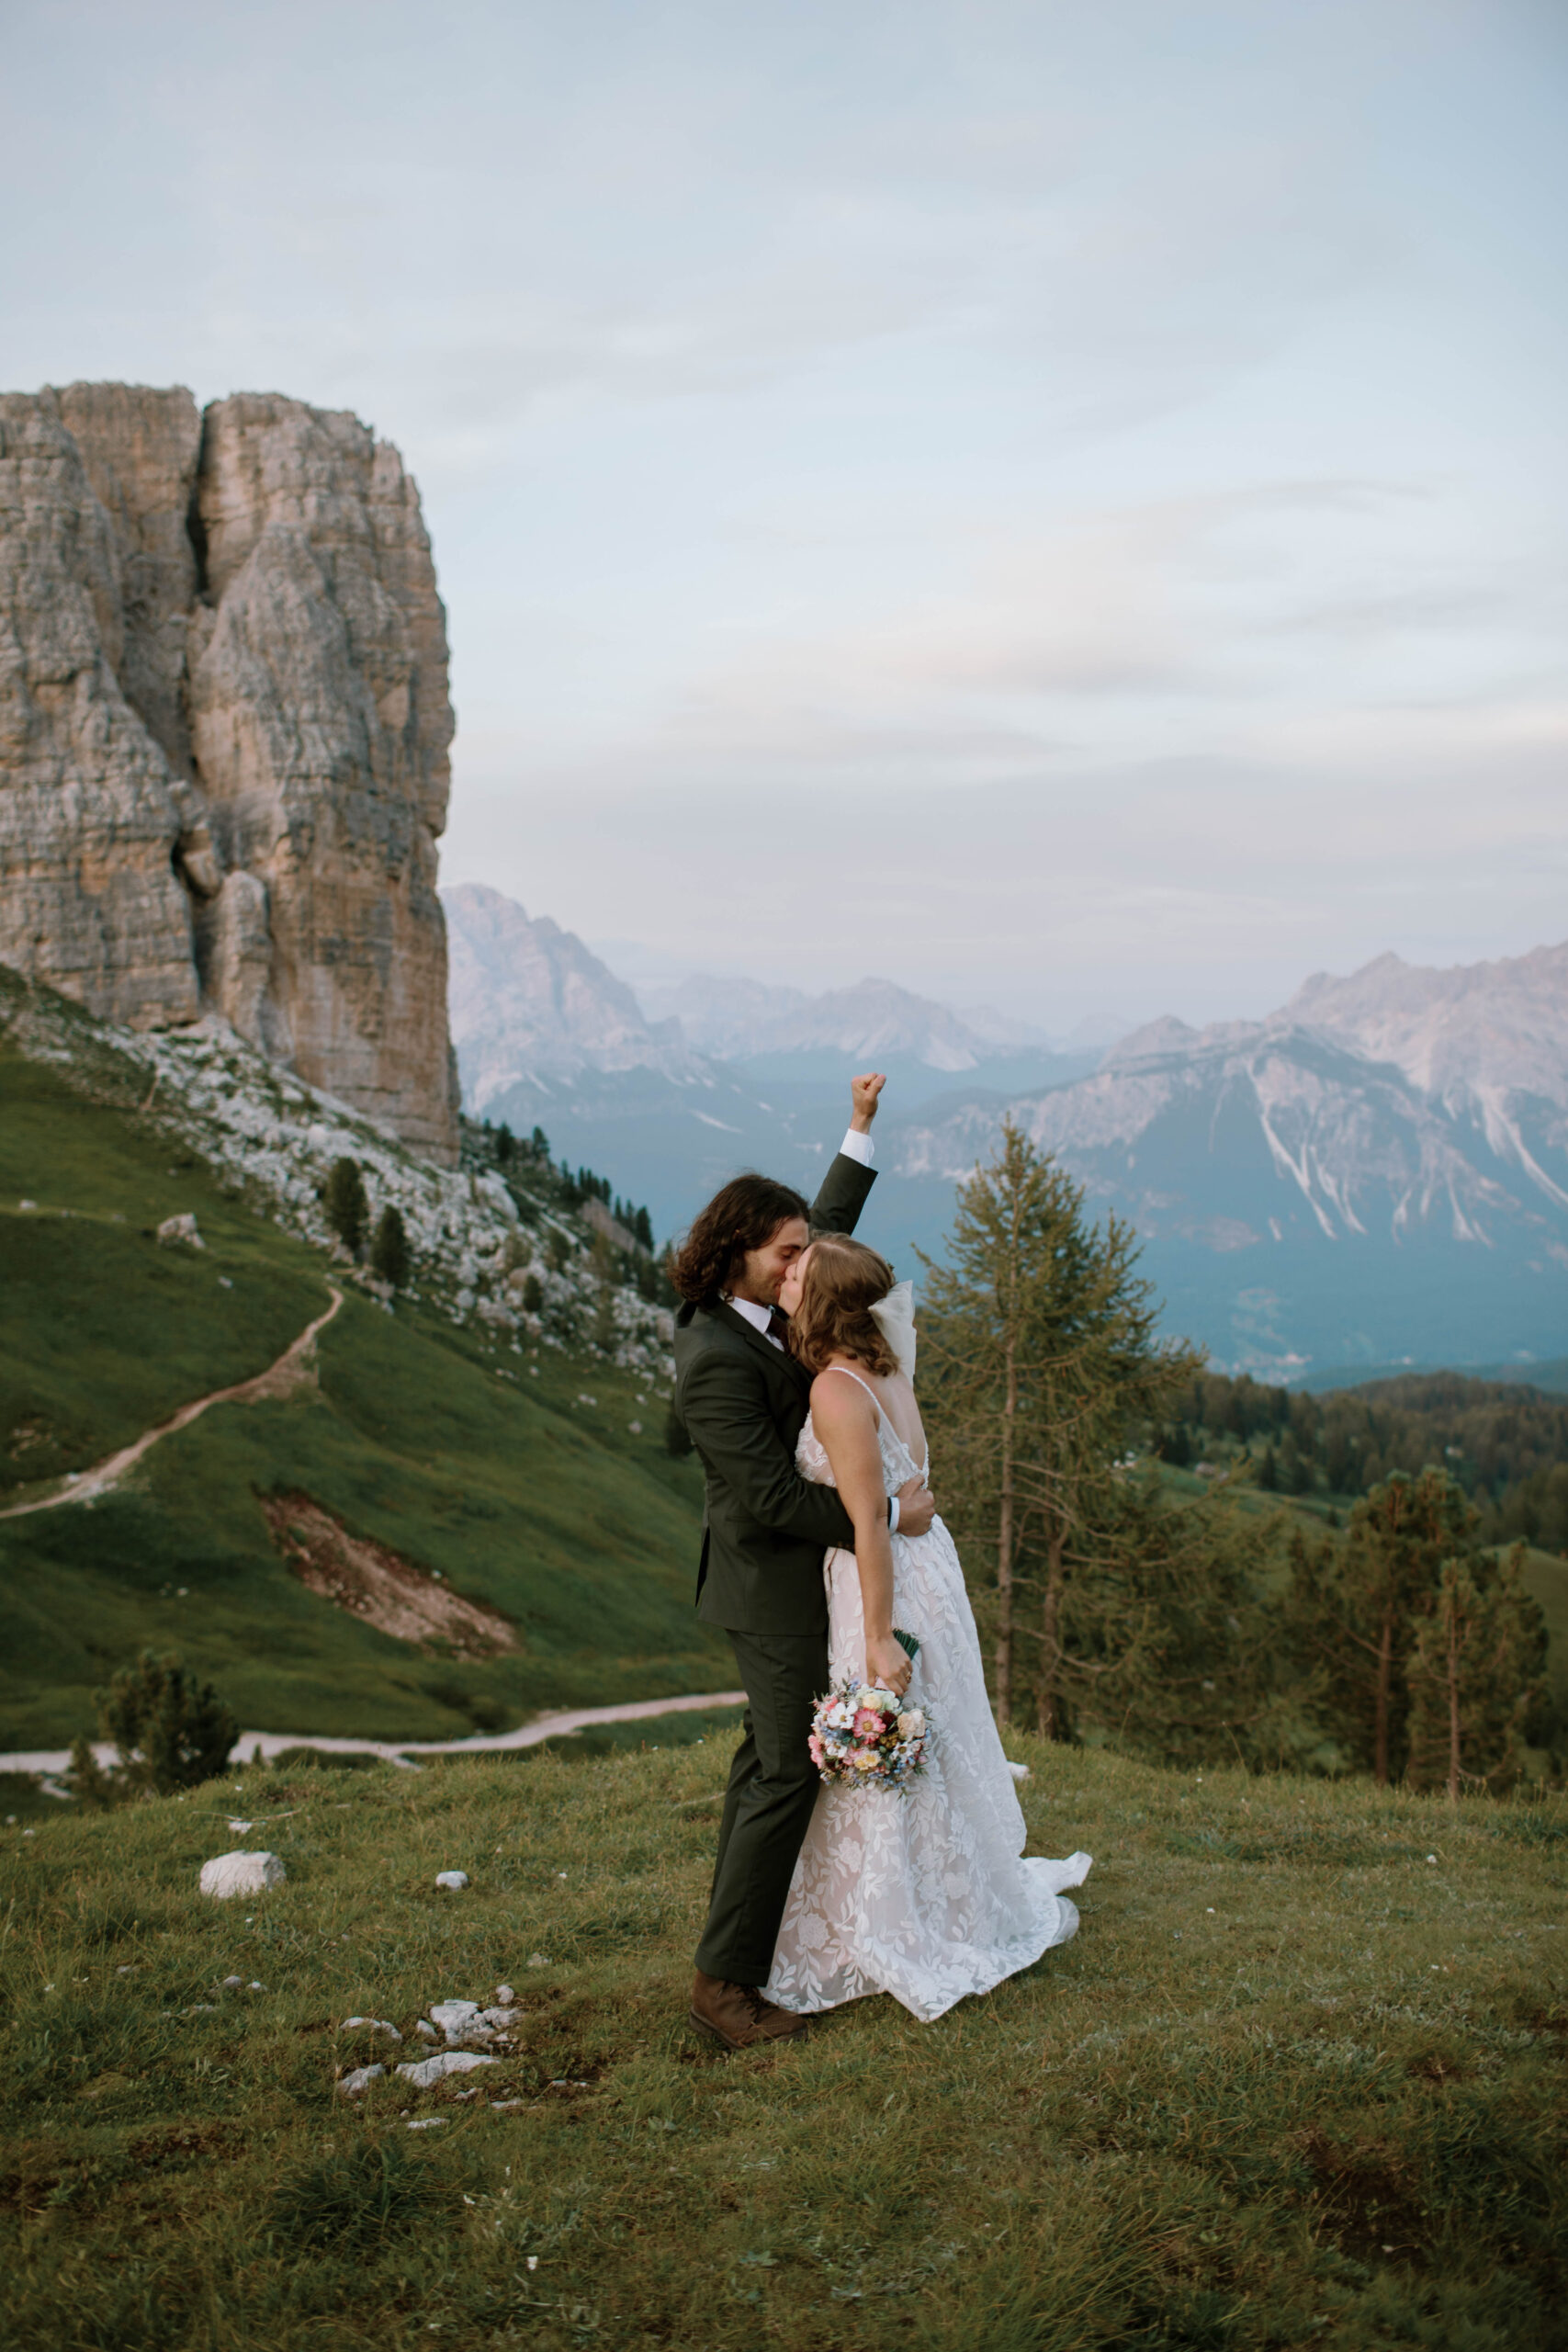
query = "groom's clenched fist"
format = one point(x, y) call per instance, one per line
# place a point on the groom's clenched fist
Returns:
point(866, 1091)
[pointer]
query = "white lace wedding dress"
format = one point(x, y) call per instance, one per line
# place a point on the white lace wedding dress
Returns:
point(921, 1892)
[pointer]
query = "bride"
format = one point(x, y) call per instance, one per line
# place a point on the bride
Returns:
point(922, 1893)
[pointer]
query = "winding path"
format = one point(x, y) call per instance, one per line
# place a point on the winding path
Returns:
point(279, 1379)
point(403, 1751)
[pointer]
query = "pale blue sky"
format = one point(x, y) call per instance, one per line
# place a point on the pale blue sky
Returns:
point(1060, 503)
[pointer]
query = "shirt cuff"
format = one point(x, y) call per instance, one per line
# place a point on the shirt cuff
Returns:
point(857, 1147)
point(893, 1514)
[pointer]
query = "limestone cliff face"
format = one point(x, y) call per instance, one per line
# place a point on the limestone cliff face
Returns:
point(223, 732)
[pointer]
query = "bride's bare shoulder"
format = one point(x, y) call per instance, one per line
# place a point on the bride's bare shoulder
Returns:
point(838, 1403)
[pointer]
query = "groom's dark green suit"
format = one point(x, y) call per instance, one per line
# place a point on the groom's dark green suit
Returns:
point(745, 1402)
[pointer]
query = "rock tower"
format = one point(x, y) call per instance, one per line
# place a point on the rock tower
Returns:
point(224, 724)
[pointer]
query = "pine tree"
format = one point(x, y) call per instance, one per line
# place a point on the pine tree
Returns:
point(347, 1209)
point(1475, 1672)
point(389, 1248)
point(171, 1731)
point(1356, 1607)
point(1041, 1338)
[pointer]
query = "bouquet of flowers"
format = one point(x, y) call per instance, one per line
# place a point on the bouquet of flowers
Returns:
point(860, 1734)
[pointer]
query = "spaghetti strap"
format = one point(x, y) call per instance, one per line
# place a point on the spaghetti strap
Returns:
point(870, 1391)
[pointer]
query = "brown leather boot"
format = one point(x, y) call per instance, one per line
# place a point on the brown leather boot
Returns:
point(738, 2016)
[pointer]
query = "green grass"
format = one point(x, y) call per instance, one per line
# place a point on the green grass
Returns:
point(1295, 2083)
point(461, 1455)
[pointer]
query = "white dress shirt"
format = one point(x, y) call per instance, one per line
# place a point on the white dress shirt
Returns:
point(854, 1147)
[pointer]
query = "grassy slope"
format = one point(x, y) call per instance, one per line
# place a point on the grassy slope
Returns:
point(430, 1439)
point(1296, 2082)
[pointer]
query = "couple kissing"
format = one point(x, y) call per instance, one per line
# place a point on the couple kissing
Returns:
point(795, 1359)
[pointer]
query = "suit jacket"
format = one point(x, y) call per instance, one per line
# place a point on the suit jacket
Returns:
point(745, 1404)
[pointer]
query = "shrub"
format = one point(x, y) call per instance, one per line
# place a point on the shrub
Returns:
point(347, 1209)
point(389, 1248)
point(533, 1295)
point(171, 1731)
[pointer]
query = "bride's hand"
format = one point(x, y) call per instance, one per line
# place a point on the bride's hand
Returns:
point(887, 1664)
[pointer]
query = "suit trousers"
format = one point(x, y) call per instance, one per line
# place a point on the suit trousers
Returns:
point(773, 1790)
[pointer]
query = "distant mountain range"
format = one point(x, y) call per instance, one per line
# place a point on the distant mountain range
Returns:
point(1376, 1173)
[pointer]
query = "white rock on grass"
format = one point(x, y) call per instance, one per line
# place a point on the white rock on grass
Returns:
point(423, 2072)
point(375, 2025)
point(458, 2020)
point(1019, 1771)
point(504, 1996)
point(352, 2085)
point(425, 2123)
point(455, 1880)
point(426, 2030)
point(181, 1229)
point(228, 1874)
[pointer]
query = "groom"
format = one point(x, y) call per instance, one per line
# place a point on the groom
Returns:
point(744, 1401)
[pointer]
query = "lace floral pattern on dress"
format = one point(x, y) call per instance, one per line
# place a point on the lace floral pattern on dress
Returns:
point(923, 1893)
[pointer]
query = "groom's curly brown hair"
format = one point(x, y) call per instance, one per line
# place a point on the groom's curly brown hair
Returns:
point(747, 1213)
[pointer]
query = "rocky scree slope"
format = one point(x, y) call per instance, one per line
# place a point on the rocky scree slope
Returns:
point(224, 725)
point(481, 1245)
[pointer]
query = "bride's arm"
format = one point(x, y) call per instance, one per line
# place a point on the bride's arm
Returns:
point(845, 1421)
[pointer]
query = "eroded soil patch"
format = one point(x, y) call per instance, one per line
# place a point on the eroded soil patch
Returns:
point(377, 1583)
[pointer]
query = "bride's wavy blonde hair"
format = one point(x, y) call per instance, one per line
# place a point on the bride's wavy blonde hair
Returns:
point(841, 1282)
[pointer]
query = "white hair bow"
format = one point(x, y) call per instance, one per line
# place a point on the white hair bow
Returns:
point(895, 1318)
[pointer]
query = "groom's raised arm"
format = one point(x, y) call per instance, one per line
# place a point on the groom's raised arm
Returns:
point(848, 1181)
point(729, 1420)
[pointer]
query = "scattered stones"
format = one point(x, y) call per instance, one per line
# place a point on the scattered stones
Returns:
point(1019, 1771)
point(452, 2017)
point(505, 2105)
point(373, 2025)
point(203, 2010)
point(539, 1959)
point(352, 2085)
point(426, 2123)
point(504, 1996)
point(425, 2028)
point(500, 2021)
point(422, 2072)
point(455, 1880)
point(230, 1983)
point(228, 1874)
point(175, 1229)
